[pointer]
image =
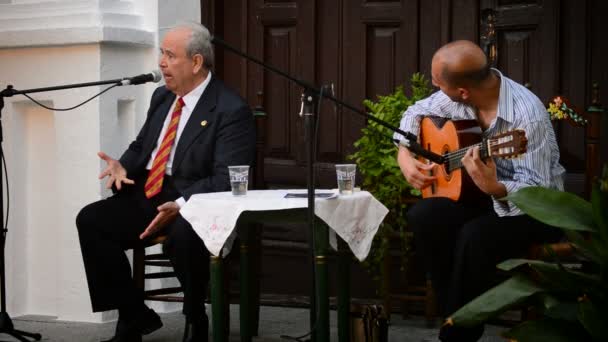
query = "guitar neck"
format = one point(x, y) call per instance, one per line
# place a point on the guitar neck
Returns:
point(453, 160)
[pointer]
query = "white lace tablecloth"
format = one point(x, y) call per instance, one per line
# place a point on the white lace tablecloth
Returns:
point(355, 218)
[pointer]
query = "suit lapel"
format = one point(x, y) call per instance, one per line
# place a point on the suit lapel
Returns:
point(158, 120)
point(203, 111)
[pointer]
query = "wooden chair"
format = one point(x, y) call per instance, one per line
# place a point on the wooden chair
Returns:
point(142, 260)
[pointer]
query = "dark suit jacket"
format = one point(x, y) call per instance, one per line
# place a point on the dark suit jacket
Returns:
point(203, 152)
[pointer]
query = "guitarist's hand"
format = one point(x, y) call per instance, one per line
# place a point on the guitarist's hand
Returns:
point(413, 170)
point(483, 173)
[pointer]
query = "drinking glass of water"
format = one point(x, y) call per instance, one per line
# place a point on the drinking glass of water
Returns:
point(346, 178)
point(239, 177)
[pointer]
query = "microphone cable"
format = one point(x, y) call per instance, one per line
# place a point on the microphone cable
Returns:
point(3, 166)
point(8, 201)
point(74, 107)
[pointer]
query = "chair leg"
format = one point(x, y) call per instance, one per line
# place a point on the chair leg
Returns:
point(386, 284)
point(256, 272)
point(226, 300)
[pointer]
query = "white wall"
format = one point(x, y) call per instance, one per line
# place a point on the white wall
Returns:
point(51, 155)
point(171, 12)
point(48, 156)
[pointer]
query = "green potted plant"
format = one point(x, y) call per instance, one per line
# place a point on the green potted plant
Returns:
point(381, 176)
point(572, 301)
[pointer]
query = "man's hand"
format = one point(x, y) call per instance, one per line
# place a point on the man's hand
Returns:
point(483, 174)
point(413, 170)
point(166, 214)
point(115, 170)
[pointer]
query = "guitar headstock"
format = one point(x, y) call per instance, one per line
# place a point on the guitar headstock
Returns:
point(508, 145)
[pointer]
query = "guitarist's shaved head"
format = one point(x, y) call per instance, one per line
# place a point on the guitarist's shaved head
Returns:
point(461, 64)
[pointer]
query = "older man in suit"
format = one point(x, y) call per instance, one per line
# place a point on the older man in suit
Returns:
point(195, 128)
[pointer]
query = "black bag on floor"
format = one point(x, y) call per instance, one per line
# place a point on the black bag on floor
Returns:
point(368, 323)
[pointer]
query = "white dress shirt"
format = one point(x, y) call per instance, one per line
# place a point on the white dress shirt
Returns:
point(190, 101)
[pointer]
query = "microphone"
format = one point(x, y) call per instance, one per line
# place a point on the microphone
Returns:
point(413, 146)
point(153, 76)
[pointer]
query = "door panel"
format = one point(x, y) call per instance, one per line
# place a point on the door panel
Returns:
point(528, 40)
point(526, 34)
point(366, 48)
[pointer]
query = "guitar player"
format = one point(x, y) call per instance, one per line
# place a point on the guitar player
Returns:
point(461, 242)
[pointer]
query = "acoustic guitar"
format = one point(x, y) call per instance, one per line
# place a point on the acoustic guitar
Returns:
point(452, 139)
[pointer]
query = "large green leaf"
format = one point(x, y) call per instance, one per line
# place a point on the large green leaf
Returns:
point(599, 200)
point(587, 249)
point(601, 246)
point(559, 309)
point(556, 278)
point(593, 319)
point(555, 208)
point(511, 264)
point(562, 310)
point(496, 300)
point(547, 330)
point(553, 276)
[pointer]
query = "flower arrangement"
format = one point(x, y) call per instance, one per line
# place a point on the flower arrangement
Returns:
point(560, 109)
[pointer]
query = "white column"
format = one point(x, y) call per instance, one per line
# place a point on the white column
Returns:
point(51, 155)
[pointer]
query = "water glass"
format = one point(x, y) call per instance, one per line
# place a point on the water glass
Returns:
point(239, 177)
point(346, 178)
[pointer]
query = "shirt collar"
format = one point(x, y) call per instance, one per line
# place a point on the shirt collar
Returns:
point(505, 99)
point(191, 99)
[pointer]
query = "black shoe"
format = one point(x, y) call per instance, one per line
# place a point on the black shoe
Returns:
point(148, 322)
point(197, 330)
point(132, 330)
point(449, 333)
point(125, 332)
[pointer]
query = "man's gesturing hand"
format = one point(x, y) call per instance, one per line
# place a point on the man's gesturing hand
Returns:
point(114, 169)
point(166, 214)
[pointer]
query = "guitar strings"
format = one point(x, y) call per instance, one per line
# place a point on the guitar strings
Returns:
point(461, 152)
point(457, 155)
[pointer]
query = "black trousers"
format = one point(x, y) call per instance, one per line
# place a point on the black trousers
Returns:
point(462, 243)
point(108, 227)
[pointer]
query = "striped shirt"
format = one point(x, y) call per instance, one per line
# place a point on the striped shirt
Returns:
point(518, 108)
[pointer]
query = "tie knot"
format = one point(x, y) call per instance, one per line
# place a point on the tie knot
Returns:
point(180, 103)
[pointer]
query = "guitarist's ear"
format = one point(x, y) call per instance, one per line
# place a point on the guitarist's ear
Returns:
point(465, 94)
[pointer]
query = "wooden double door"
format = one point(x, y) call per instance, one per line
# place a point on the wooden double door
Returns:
point(368, 47)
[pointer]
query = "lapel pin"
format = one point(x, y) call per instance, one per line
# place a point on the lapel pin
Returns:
point(204, 123)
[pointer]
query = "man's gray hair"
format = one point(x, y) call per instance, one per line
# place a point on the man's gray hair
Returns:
point(199, 43)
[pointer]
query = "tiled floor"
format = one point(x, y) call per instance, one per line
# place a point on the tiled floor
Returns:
point(274, 323)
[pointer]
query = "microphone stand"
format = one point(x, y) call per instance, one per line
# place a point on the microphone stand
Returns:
point(10, 91)
point(6, 324)
point(309, 113)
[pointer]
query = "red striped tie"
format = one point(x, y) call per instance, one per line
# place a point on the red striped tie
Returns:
point(157, 173)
